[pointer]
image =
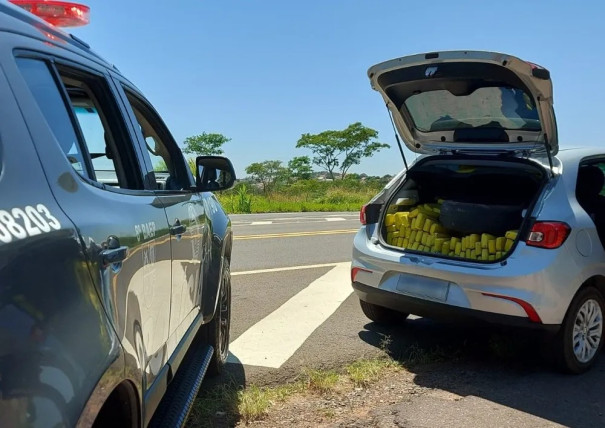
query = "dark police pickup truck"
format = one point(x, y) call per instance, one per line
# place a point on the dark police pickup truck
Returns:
point(114, 258)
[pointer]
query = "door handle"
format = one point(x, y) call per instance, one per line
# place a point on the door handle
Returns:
point(113, 252)
point(178, 228)
point(114, 255)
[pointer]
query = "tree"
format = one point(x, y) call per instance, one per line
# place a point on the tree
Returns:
point(342, 149)
point(205, 144)
point(267, 173)
point(300, 167)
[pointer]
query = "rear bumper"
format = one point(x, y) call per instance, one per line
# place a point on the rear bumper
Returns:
point(443, 311)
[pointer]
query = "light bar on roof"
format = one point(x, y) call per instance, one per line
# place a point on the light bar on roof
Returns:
point(57, 13)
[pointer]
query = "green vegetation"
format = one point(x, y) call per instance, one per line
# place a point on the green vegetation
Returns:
point(340, 150)
point(232, 403)
point(205, 144)
point(301, 196)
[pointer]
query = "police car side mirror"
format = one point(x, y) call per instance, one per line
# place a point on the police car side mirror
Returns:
point(213, 173)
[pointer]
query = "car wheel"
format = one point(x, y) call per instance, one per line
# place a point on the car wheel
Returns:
point(217, 330)
point(581, 336)
point(380, 314)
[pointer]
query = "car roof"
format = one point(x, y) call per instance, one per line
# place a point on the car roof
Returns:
point(576, 154)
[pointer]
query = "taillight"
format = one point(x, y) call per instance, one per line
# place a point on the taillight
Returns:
point(356, 270)
point(362, 215)
point(369, 213)
point(548, 234)
point(57, 13)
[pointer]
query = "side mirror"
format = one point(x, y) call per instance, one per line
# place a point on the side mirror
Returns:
point(213, 173)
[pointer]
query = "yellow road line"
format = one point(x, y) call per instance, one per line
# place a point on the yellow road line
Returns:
point(295, 234)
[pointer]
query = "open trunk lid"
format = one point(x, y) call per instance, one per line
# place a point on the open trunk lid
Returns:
point(469, 101)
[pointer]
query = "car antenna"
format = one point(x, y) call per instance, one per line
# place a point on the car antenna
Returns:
point(405, 162)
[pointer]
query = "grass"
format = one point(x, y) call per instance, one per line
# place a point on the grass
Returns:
point(305, 196)
point(232, 403)
point(364, 372)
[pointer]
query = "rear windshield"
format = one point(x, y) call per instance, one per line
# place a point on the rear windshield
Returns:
point(486, 107)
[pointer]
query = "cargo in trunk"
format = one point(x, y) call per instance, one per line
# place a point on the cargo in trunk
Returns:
point(462, 208)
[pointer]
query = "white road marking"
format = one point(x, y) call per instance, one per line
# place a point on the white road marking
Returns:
point(335, 219)
point(256, 223)
point(274, 339)
point(282, 269)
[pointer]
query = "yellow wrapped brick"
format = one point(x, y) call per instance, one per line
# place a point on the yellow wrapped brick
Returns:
point(491, 246)
point(399, 241)
point(427, 225)
point(484, 254)
point(464, 243)
point(401, 218)
point(420, 247)
point(478, 247)
point(389, 238)
point(414, 246)
point(413, 234)
point(405, 242)
point(473, 254)
point(498, 254)
point(458, 248)
point(500, 241)
point(485, 238)
point(473, 239)
point(445, 247)
point(492, 258)
point(413, 223)
point(468, 253)
point(419, 236)
point(430, 240)
point(420, 218)
point(389, 220)
point(408, 232)
point(391, 228)
point(424, 238)
point(511, 234)
point(508, 245)
point(454, 241)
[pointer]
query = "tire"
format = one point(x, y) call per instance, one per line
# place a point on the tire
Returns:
point(216, 332)
point(380, 314)
point(578, 343)
point(465, 217)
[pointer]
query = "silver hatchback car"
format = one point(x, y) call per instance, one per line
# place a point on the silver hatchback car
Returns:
point(492, 222)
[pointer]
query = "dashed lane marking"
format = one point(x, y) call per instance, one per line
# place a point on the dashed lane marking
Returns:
point(335, 219)
point(274, 339)
point(256, 223)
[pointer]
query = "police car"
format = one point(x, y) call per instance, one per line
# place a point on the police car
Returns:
point(114, 258)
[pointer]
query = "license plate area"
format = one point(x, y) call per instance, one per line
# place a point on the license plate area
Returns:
point(423, 287)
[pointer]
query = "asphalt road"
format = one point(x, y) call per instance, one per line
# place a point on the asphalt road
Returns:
point(293, 308)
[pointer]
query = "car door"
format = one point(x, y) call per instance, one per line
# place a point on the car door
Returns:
point(99, 185)
point(169, 175)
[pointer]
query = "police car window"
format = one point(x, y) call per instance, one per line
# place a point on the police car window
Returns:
point(169, 170)
point(46, 93)
point(83, 116)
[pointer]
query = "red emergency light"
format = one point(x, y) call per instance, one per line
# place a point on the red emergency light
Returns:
point(57, 13)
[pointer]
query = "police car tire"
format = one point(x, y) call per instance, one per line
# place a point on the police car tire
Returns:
point(216, 332)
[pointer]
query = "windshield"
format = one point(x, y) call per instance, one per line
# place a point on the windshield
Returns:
point(485, 107)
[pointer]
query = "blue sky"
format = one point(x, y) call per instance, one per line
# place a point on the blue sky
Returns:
point(263, 72)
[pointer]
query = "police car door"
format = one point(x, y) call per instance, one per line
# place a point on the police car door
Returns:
point(89, 156)
point(173, 182)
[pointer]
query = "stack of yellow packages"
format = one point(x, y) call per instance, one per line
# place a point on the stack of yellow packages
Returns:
point(420, 230)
